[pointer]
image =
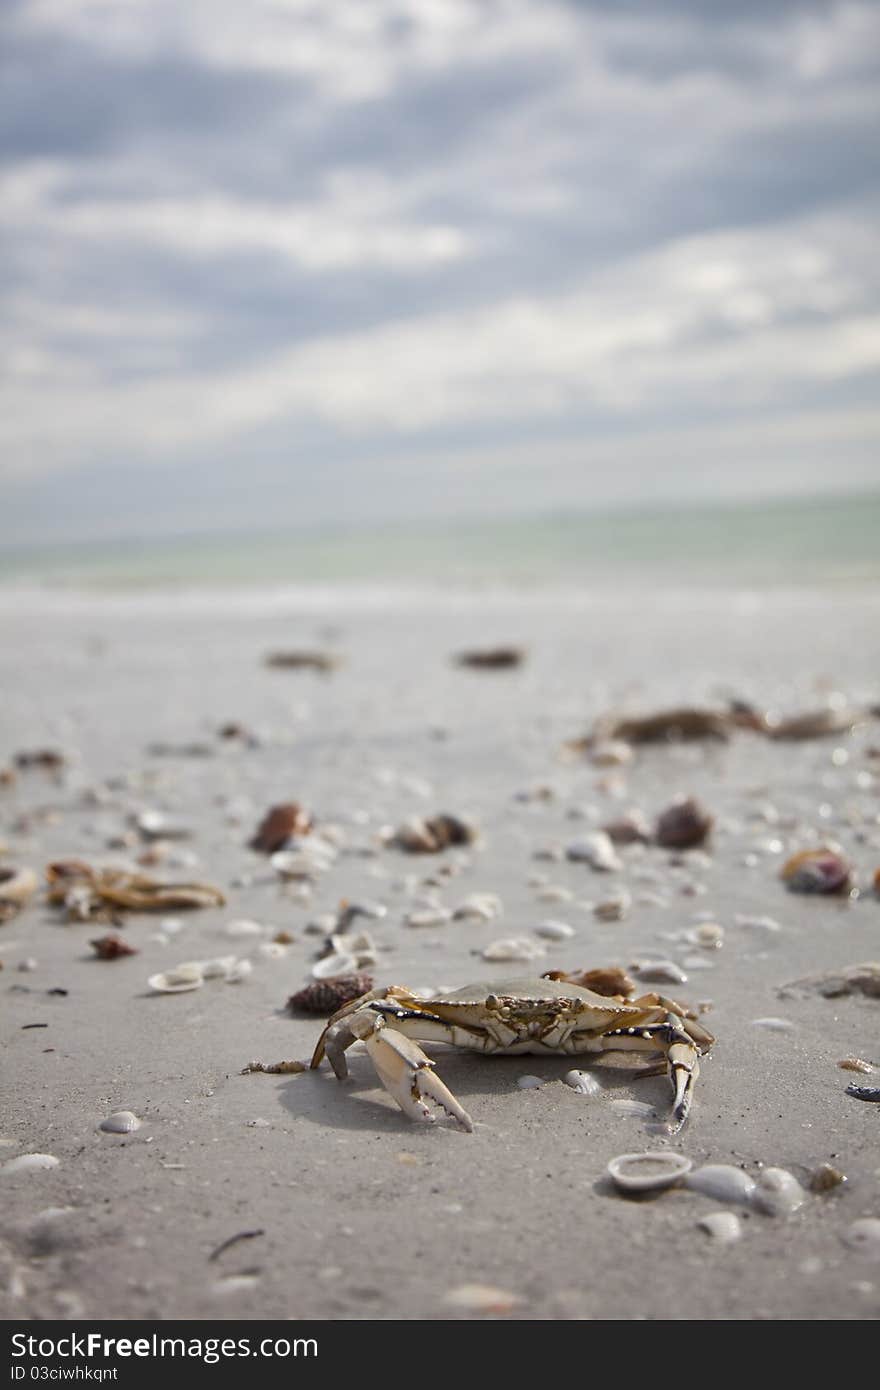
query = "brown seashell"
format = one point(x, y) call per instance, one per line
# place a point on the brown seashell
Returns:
point(279, 825)
point(817, 871)
point(683, 825)
point(7, 777)
point(49, 759)
point(325, 662)
point(103, 893)
point(326, 996)
point(628, 829)
point(814, 724)
point(669, 726)
point(826, 1178)
point(877, 883)
point(111, 947)
point(612, 981)
point(491, 658)
point(17, 886)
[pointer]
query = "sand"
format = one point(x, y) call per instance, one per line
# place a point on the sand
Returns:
point(361, 1213)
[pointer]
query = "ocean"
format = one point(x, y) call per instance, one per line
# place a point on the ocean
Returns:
point(822, 542)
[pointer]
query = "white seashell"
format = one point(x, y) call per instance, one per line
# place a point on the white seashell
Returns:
point(612, 909)
point(28, 965)
point(482, 1298)
point(513, 948)
point(428, 917)
point(479, 907)
point(340, 963)
point(530, 1083)
point(583, 1083)
point(661, 971)
point(190, 975)
point(170, 926)
point(697, 963)
point(774, 1025)
point(723, 1226)
point(554, 931)
point(30, 1163)
point(757, 923)
point(863, 1235)
point(121, 1122)
point(239, 972)
point(234, 1283)
point(299, 864)
point(722, 1182)
point(648, 1172)
point(778, 1192)
point(155, 825)
point(243, 927)
point(612, 752)
point(709, 935)
point(632, 1107)
point(271, 950)
point(595, 849)
point(219, 968)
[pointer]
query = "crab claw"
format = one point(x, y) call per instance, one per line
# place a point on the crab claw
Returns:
point(408, 1075)
point(684, 1068)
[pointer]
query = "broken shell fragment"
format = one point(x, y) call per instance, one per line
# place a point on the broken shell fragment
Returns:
point(482, 1298)
point(595, 850)
point(817, 871)
point(323, 662)
point(479, 907)
point(491, 658)
point(722, 1182)
point(855, 1064)
point(339, 963)
point(279, 825)
point(648, 1172)
point(326, 996)
point(684, 824)
point(121, 1122)
point(95, 893)
point(611, 752)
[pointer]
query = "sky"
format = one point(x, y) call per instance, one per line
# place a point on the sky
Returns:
point(300, 262)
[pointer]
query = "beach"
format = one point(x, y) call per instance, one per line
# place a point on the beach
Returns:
point(352, 1211)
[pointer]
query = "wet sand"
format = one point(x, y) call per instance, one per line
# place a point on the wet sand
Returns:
point(361, 1213)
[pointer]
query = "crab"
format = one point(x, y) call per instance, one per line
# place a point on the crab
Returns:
point(510, 1017)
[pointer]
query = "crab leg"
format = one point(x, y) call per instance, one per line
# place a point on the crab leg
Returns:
point(669, 1037)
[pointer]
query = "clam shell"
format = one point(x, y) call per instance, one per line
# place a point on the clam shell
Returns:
point(582, 1082)
point(722, 1226)
point(29, 1163)
point(722, 1182)
point(648, 1172)
point(554, 931)
point(121, 1122)
point(190, 975)
point(778, 1192)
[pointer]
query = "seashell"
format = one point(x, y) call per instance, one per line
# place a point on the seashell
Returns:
point(482, 1298)
point(243, 927)
point(348, 912)
point(339, 963)
point(633, 1107)
point(430, 836)
point(777, 1192)
point(28, 965)
point(826, 1178)
point(611, 752)
point(855, 1064)
point(632, 828)
point(219, 968)
point(862, 1235)
point(661, 971)
point(817, 871)
point(530, 1083)
point(583, 1083)
point(240, 971)
point(722, 1226)
point(279, 825)
point(190, 975)
point(596, 850)
point(301, 864)
point(362, 947)
point(868, 1093)
point(513, 948)
point(86, 892)
point(614, 908)
point(324, 662)
point(685, 823)
point(479, 907)
point(17, 886)
point(326, 996)
point(121, 1122)
point(554, 893)
point(708, 935)
point(813, 724)
point(554, 931)
point(757, 923)
point(722, 1182)
point(272, 950)
point(155, 825)
point(111, 947)
point(29, 1163)
point(428, 917)
point(49, 759)
point(648, 1172)
point(773, 1025)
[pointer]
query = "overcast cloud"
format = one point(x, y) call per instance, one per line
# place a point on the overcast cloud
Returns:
point(305, 260)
